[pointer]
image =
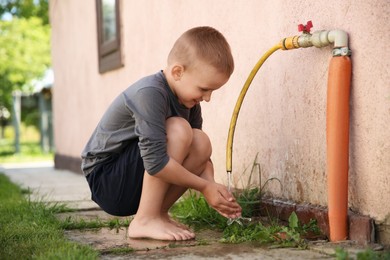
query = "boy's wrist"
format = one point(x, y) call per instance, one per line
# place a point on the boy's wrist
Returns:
point(203, 186)
point(175, 173)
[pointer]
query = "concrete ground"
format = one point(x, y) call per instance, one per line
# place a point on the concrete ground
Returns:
point(52, 185)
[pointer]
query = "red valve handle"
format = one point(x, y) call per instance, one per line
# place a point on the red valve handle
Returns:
point(305, 28)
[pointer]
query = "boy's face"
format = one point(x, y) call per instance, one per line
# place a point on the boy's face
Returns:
point(194, 85)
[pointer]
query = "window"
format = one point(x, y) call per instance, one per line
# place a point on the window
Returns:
point(109, 44)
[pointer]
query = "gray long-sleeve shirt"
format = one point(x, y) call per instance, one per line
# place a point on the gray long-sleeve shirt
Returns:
point(138, 112)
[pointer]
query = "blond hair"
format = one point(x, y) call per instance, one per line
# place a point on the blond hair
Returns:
point(204, 43)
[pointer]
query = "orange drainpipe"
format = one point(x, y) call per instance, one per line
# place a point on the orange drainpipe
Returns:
point(337, 120)
point(337, 139)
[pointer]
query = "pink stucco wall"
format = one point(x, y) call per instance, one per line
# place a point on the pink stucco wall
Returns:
point(283, 116)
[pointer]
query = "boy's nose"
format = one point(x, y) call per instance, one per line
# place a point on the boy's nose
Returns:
point(206, 97)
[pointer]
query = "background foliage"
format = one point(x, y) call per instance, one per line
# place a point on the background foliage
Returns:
point(26, 9)
point(24, 45)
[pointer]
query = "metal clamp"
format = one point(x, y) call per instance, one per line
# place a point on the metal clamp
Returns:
point(343, 51)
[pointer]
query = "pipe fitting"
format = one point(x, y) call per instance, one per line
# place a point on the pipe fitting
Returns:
point(305, 40)
point(339, 38)
point(290, 43)
point(324, 38)
point(318, 39)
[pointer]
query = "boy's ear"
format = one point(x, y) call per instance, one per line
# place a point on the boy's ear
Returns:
point(177, 72)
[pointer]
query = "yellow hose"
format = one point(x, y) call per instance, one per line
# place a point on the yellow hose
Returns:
point(229, 146)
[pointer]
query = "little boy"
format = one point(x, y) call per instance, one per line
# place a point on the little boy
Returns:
point(148, 148)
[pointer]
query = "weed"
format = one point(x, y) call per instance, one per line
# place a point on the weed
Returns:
point(77, 223)
point(70, 223)
point(291, 235)
point(250, 196)
point(116, 223)
point(119, 250)
point(373, 255)
point(194, 210)
point(202, 242)
point(236, 233)
point(26, 191)
point(176, 245)
point(369, 254)
point(277, 235)
point(341, 254)
point(311, 228)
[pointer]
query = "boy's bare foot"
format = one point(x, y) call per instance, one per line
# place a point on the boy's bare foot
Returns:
point(173, 221)
point(157, 228)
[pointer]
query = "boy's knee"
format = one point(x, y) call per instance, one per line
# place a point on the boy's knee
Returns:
point(201, 143)
point(179, 129)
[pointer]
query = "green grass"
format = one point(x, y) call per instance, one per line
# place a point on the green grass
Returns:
point(29, 230)
point(369, 254)
point(73, 223)
point(30, 149)
point(119, 251)
point(30, 152)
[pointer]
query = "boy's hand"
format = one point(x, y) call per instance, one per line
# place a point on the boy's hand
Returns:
point(221, 200)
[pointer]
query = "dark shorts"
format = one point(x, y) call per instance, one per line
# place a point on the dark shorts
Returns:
point(116, 184)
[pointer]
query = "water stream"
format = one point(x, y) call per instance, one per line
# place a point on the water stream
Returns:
point(239, 219)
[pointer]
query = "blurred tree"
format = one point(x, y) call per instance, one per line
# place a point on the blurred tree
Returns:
point(24, 50)
point(24, 55)
point(26, 9)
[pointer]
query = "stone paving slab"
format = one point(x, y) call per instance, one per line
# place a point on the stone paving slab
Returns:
point(51, 185)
